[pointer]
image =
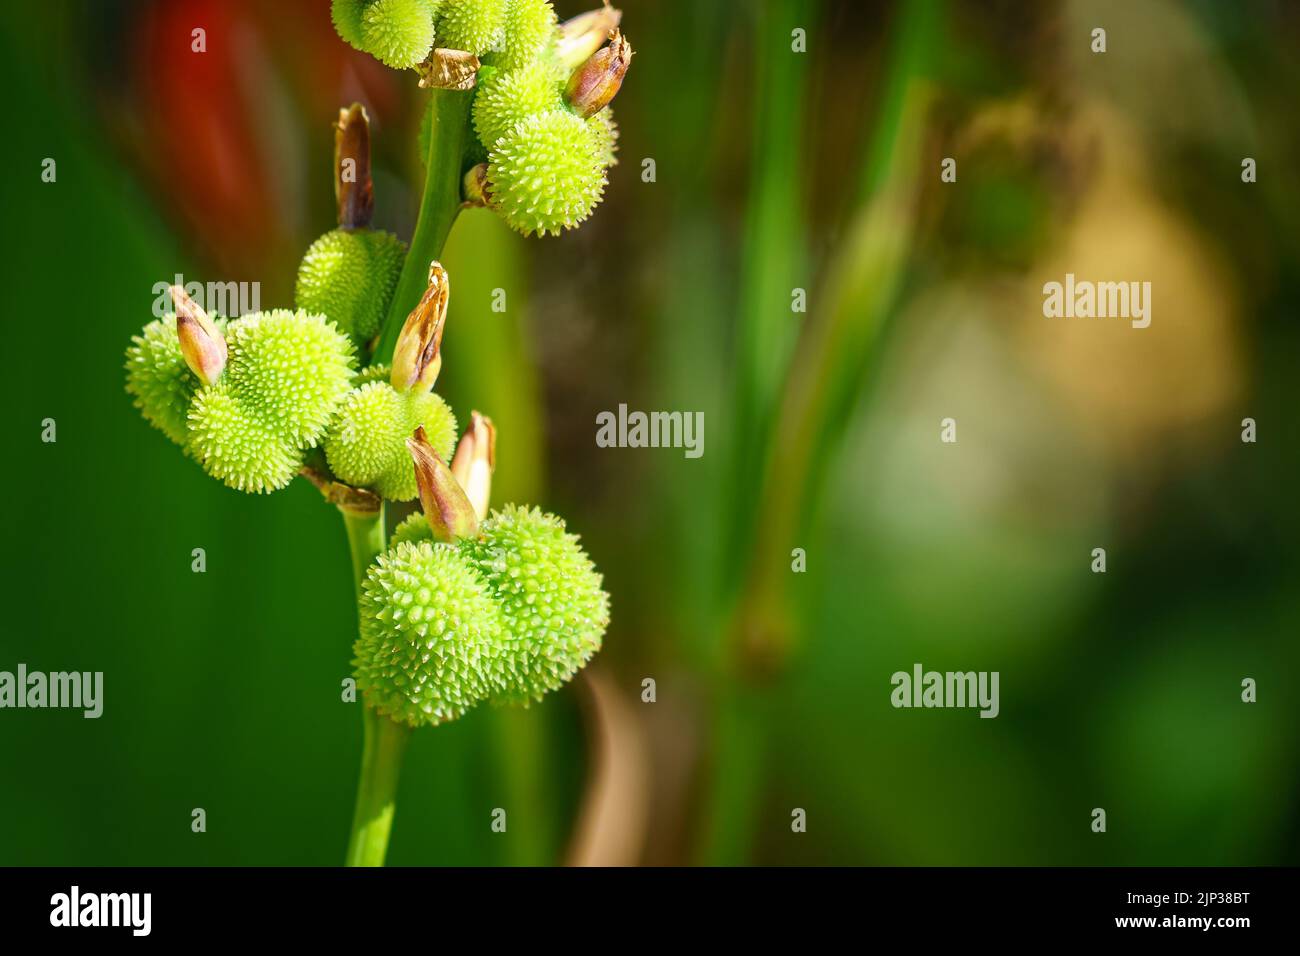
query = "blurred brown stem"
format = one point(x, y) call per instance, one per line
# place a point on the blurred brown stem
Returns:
point(612, 822)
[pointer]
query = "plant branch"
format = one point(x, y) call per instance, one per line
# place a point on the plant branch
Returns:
point(384, 742)
point(448, 121)
point(347, 498)
point(381, 764)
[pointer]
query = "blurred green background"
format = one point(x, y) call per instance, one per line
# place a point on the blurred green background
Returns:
point(774, 170)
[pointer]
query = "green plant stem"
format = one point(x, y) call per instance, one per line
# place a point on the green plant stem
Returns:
point(384, 742)
point(381, 764)
point(366, 540)
point(449, 118)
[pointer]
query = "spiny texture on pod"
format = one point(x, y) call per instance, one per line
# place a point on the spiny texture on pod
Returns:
point(605, 132)
point(290, 370)
point(507, 97)
point(159, 380)
point(346, 15)
point(366, 445)
point(414, 527)
point(398, 33)
point(430, 632)
point(348, 276)
point(550, 596)
point(545, 174)
point(379, 372)
point(527, 31)
point(471, 25)
point(235, 446)
point(286, 374)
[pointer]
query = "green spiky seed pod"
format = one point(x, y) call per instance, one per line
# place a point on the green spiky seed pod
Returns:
point(528, 29)
point(346, 15)
point(545, 174)
point(471, 25)
point(348, 276)
point(286, 374)
point(289, 370)
point(366, 446)
point(605, 132)
point(283, 376)
point(413, 528)
point(234, 447)
point(550, 595)
point(158, 379)
point(430, 635)
point(399, 33)
point(508, 97)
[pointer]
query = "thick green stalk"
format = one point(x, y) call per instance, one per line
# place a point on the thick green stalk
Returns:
point(366, 540)
point(449, 120)
point(384, 741)
point(381, 764)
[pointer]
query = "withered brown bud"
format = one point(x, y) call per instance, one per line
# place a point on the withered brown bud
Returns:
point(449, 70)
point(353, 190)
point(596, 82)
point(445, 504)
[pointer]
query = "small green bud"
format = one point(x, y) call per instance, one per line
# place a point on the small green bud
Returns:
point(550, 596)
point(545, 174)
point(371, 373)
point(366, 444)
point(593, 85)
point(507, 97)
point(430, 635)
point(417, 356)
point(413, 528)
point(471, 25)
point(202, 344)
point(581, 36)
point(349, 277)
point(399, 33)
point(449, 512)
